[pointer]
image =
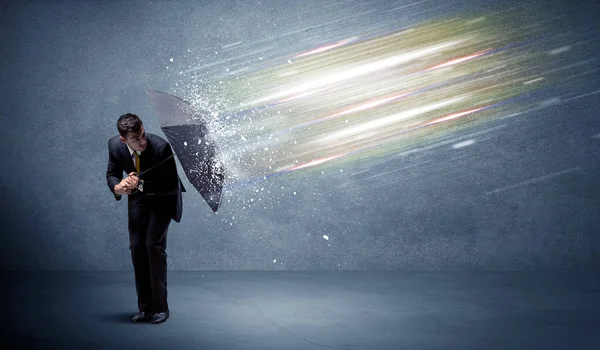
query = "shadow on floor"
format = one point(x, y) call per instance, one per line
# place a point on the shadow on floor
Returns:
point(117, 317)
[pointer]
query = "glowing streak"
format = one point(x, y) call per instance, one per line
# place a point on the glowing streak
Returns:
point(364, 69)
point(454, 116)
point(533, 81)
point(458, 60)
point(362, 107)
point(378, 123)
point(315, 162)
point(296, 97)
point(324, 48)
point(367, 105)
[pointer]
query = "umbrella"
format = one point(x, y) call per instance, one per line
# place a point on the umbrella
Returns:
point(192, 144)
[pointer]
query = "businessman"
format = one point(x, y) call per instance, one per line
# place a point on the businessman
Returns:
point(154, 199)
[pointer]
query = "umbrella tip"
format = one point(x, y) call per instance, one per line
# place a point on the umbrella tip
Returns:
point(151, 91)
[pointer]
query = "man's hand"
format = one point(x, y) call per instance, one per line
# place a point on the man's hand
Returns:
point(127, 185)
point(122, 188)
point(132, 181)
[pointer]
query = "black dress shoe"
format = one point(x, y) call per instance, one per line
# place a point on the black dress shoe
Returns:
point(159, 317)
point(140, 317)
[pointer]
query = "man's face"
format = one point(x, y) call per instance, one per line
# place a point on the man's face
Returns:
point(138, 141)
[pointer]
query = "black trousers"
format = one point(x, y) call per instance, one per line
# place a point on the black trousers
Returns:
point(149, 219)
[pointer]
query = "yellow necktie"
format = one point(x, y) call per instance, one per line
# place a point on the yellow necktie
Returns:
point(137, 162)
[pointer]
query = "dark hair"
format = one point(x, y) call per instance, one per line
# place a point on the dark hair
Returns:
point(129, 123)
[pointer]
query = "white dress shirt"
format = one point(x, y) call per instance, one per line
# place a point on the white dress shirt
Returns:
point(131, 152)
point(141, 188)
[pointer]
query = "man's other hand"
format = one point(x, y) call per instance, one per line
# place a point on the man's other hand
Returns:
point(122, 188)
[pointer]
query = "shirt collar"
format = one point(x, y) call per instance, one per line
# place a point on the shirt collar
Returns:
point(131, 151)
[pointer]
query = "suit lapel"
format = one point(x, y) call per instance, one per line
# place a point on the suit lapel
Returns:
point(147, 156)
point(127, 160)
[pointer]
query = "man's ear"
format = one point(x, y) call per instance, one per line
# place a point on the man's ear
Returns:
point(122, 139)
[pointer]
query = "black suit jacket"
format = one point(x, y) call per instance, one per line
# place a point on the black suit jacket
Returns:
point(158, 182)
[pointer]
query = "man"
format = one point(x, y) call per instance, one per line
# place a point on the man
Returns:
point(153, 201)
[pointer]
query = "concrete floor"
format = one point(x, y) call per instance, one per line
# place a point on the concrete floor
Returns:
point(307, 310)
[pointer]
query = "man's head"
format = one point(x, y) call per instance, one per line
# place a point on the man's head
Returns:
point(132, 131)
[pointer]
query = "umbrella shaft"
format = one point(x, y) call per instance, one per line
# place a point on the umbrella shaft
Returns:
point(147, 170)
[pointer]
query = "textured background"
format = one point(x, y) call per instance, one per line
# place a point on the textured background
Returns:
point(525, 195)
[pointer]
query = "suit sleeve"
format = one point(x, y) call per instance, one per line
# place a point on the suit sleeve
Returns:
point(114, 173)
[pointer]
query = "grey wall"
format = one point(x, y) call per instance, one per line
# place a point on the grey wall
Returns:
point(525, 195)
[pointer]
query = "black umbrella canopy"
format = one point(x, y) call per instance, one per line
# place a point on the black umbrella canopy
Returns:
point(192, 144)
